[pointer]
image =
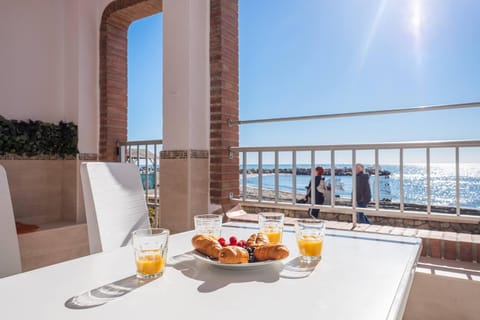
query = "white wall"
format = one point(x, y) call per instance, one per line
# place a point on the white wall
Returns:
point(49, 62)
point(186, 74)
point(86, 92)
point(32, 59)
point(49, 67)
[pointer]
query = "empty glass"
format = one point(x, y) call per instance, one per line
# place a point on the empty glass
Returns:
point(208, 224)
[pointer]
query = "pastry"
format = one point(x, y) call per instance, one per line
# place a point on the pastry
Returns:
point(233, 254)
point(257, 239)
point(270, 252)
point(208, 245)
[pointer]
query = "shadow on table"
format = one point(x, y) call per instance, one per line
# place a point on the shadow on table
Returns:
point(106, 293)
point(212, 281)
point(297, 269)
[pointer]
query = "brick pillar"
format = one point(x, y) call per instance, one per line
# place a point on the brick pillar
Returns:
point(113, 88)
point(224, 176)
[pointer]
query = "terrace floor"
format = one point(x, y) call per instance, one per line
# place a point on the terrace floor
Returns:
point(444, 289)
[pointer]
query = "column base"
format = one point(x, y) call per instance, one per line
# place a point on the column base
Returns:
point(184, 183)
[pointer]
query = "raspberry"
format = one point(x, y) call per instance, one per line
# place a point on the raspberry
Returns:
point(222, 242)
point(233, 241)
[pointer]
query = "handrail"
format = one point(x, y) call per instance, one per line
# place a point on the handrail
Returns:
point(140, 142)
point(386, 145)
point(361, 113)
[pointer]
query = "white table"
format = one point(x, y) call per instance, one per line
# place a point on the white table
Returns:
point(360, 276)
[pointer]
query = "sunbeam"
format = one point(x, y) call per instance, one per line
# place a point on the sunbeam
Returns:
point(371, 35)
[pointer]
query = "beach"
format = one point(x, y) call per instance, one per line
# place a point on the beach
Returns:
point(413, 183)
point(286, 198)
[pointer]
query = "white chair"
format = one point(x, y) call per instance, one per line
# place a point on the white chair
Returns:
point(114, 203)
point(10, 262)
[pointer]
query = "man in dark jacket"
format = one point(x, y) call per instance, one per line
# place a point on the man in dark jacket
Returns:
point(364, 194)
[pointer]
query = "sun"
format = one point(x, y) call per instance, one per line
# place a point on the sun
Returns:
point(416, 18)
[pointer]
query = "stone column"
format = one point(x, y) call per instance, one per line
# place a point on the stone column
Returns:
point(184, 161)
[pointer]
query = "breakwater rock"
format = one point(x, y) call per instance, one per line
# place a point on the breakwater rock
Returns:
point(306, 171)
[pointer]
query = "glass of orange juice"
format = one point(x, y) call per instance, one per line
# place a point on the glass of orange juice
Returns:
point(310, 234)
point(150, 246)
point(271, 224)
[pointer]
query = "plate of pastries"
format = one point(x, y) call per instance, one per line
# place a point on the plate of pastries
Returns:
point(254, 252)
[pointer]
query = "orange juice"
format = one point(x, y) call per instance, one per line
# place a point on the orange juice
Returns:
point(273, 236)
point(150, 264)
point(310, 246)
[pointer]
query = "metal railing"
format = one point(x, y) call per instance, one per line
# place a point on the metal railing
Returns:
point(145, 155)
point(361, 113)
point(132, 152)
point(378, 211)
point(375, 209)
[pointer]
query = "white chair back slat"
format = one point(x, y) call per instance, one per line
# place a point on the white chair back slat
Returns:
point(10, 262)
point(115, 203)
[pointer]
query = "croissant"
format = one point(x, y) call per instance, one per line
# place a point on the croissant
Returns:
point(207, 245)
point(257, 239)
point(271, 252)
point(233, 254)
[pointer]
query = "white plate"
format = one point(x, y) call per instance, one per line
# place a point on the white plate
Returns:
point(237, 266)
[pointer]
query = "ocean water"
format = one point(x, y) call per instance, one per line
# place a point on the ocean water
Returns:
point(442, 183)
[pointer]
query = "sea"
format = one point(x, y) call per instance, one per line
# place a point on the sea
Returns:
point(442, 183)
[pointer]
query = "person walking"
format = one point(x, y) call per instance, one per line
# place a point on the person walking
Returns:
point(363, 193)
point(319, 196)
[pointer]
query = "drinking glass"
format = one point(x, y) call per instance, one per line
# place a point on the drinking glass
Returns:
point(208, 224)
point(310, 234)
point(150, 247)
point(271, 224)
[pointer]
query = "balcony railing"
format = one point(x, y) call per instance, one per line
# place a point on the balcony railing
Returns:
point(145, 154)
point(376, 209)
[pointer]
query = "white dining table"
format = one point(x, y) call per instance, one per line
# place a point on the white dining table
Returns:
point(360, 276)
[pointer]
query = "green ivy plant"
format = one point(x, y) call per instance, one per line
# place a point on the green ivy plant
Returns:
point(33, 138)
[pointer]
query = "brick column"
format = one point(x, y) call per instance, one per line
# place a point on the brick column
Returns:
point(113, 88)
point(224, 176)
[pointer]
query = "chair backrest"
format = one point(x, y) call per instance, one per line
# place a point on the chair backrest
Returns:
point(10, 262)
point(115, 203)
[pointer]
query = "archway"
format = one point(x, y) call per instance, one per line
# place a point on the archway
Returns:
point(116, 19)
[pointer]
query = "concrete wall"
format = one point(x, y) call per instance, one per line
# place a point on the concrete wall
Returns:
point(49, 63)
point(44, 191)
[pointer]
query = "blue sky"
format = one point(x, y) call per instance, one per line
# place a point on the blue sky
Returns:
point(315, 57)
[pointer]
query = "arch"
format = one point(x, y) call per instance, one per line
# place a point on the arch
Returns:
point(116, 19)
